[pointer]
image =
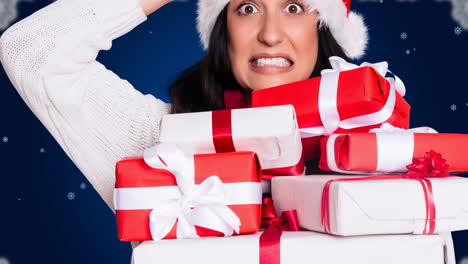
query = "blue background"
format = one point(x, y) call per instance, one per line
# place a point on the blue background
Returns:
point(39, 223)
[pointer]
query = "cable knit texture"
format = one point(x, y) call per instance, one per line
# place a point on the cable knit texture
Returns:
point(95, 116)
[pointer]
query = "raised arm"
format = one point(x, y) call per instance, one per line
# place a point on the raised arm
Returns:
point(96, 117)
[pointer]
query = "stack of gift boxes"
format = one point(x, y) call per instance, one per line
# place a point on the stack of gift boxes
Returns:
point(230, 186)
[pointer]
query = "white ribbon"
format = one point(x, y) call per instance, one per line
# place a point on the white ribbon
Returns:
point(328, 94)
point(388, 128)
point(197, 205)
point(395, 149)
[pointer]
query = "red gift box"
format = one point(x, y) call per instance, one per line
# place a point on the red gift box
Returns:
point(388, 152)
point(139, 186)
point(360, 91)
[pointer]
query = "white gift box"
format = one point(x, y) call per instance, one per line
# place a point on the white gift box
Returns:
point(302, 247)
point(395, 206)
point(271, 132)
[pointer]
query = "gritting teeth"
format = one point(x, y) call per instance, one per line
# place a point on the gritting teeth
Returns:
point(282, 62)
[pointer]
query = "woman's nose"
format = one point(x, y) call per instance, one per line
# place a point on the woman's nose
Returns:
point(271, 32)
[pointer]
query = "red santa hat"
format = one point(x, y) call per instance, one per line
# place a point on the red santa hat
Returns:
point(347, 27)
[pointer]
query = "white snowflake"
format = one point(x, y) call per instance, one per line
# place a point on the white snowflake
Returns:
point(466, 104)
point(453, 107)
point(408, 52)
point(404, 35)
point(5, 139)
point(457, 30)
point(83, 186)
point(70, 195)
point(151, 32)
point(42, 150)
point(4, 260)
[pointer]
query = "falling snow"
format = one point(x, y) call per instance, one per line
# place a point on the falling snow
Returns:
point(83, 186)
point(42, 150)
point(458, 30)
point(5, 139)
point(453, 107)
point(4, 260)
point(403, 35)
point(408, 52)
point(70, 195)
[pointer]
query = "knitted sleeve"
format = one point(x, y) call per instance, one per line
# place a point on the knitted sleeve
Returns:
point(95, 116)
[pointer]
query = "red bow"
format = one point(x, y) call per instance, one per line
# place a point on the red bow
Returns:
point(286, 222)
point(430, 165)
point(270, 239)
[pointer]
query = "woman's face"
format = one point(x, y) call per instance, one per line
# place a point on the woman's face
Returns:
point(271, 42)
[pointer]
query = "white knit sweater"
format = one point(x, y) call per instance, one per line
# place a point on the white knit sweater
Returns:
point(95, 116)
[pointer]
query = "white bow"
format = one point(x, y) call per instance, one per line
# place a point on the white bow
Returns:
point(199, 205)
point(328, 94)
point(339, 64)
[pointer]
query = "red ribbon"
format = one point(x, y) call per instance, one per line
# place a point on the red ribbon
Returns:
point(223, 142)
point(287, 221)
point(430, 166)
point(298, 169)
point(222, 131)
point(271, 237)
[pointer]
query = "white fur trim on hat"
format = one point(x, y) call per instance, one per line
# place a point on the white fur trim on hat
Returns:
point(349, 30)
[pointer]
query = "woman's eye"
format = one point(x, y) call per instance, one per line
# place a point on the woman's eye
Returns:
point(294, 8)
point(247, 9)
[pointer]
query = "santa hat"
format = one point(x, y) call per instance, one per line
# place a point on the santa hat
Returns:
point(347, 27)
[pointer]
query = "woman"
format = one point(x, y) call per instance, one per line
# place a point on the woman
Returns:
point(244, 30)
point(98, 118)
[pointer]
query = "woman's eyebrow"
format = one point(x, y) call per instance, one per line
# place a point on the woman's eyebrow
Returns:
point(259, 2)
